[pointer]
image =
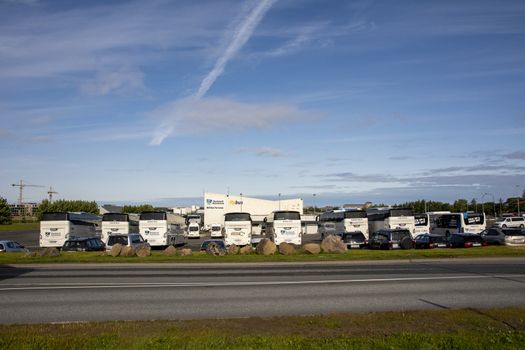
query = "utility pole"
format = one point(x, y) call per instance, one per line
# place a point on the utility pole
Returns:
point(51, 193)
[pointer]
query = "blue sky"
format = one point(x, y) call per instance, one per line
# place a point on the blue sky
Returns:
point(133, 101)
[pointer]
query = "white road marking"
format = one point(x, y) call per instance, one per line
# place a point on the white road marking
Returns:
point(58, 286)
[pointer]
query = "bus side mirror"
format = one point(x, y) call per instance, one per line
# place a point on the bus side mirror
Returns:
point(265, 219)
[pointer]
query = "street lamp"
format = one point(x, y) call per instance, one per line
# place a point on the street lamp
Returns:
point(279, 201)
point(241, 201)
point(519, 194)
point(314, 204)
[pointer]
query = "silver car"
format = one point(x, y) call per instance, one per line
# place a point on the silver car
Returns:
point(504, 236)
point(131, 239)
point(8, 246)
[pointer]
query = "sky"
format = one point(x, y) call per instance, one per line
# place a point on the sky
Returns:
point(330, 101)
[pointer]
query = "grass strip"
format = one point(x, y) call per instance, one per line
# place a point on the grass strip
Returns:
point(351, 255)
point(20, 226)
point(430, 329)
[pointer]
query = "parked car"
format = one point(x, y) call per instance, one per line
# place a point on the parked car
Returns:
point(428, 241)
point(131, 239)
point(326, 229)
point(83, 244)
point(391, 239)
point(515, 221)
point(218, 242)
point(9, 246)
point(504, 236)
point(354, 239)
point(465, 240)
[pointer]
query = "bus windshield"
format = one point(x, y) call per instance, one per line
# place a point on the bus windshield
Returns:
point(115, 217)
point(473, 219)
point(153, 216)
point(401, 212)
point(55, 217)
point(237, 217)
point(287, 215)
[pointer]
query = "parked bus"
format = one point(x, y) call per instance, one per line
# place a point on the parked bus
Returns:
point(118, 224)
point(237, 228)
point(447, 224)
point(284, 226)
point(58, 227)
point(391, 218)
point(156, 229)
point(193, 218)
point(422, 223)
point(347, 221)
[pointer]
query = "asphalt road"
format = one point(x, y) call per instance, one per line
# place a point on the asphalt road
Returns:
point(61, 293)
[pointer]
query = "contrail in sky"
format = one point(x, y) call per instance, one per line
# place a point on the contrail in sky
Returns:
point(241, 35)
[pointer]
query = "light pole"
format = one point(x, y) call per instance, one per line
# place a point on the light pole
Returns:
point(519, 194)
point(241, 201)
point(279, 201)
point(314, 204)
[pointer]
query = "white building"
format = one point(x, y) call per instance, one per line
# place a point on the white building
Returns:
point(216, 205)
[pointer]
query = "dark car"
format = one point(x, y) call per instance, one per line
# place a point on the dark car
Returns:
point(354, 239)
point(391, 239)
point(504, 236)
point(428, 241)
point(83, 244)
point(465, 240)
point(218, 242)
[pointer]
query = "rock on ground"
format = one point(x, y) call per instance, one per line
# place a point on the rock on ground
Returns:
point(266, 247)
point(233, 250)
point(215, 250)
point(287, 248)
point(50, 252)
point(185, 252)
point(312, 248)
point(143, 250)
point(127, 251)
point(247, 249)
point(170, 251)
point(116, 249)
point(333, 244)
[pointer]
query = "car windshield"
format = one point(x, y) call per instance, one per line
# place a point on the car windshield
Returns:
point(215, 228)
point(194, 228)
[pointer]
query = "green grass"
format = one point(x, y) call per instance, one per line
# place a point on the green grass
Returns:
point(352, 255)
point(19, 226)
point(436, 329)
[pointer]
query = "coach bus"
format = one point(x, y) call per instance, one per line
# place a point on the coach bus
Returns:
point(469, 222)
point(237, 228)
point(158, 231)
point(284, 226)
point(118, 224)
point(422, 223)
point(391, 218)
point(58, 227)
point(347, 221)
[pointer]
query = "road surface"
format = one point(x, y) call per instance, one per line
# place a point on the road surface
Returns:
point(61, 293)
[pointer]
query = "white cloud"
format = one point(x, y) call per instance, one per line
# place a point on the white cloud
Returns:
point(107, 82)
point(193, 116)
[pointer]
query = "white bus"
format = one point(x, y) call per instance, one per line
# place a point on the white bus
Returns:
point(347, 221)
point(156, 229)
point(117, 224)
point(284, 226)
point(422, 223)
point(237, 228)
point(447, 224)
point(391, 218)
point(56, 228)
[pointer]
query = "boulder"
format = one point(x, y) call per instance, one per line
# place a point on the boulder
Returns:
point(143, 250)
point(286, 248)
point(185, 252)
point(233, 250)
point(50, 252)
point(215, 250)
point(169, 251)
point(333, 244)
point(266, 247)
point(30, 255)
point(127, 251)
point(247, 249)
point(312, 248)
point(116, 249)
